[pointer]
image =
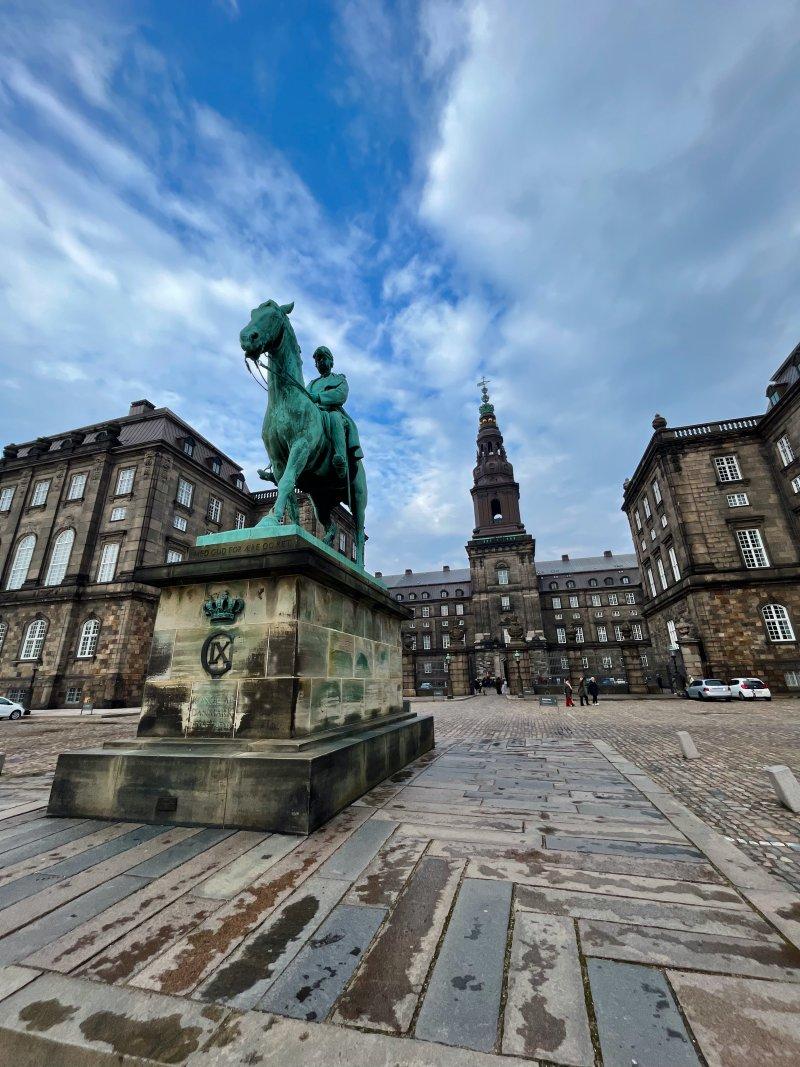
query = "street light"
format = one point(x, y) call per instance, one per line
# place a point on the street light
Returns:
point(448, 692)
point(517, 658)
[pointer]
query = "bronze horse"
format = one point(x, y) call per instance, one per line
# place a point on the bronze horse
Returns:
point(294, 431)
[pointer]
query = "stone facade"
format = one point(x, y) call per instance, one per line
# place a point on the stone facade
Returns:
point(80, 511)
point(714, 511)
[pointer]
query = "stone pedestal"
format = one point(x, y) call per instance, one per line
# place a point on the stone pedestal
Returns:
point(632, 659)
point(273, 694)
point(459, 680)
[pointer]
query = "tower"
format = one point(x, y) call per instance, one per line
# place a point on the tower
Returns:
point(509, 633)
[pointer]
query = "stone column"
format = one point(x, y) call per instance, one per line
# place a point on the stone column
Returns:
point(692, 660)
point(409, 680)
point(632, 658)
point(459, 674)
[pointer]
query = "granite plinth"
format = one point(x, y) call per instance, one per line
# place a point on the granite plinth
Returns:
point(273, 696)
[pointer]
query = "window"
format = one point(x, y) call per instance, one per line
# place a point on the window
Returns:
point(636, 632)
point(564, 663)
point(22, 561)
point(6, 497)
point(33, 642)
point(40, 491)
point(343, 543)
point(598, 614)
point(617, 633)
point(557, 603)
point(174, 555)
point(445, 610)
point(650, 581)
point(646, 506)
point(427, 668)
point(752, 548)
point(652, 535)
point(673, 562)
point(74, 695)
point(792, 679)
point(216, 466)
point(502, 576)
point(795, 487)
point(88, 639)
point(185, 493)
point(585, 663)
point(559, 615)
point(553, 585)
point(613, 599)
point(426, 611)
point(214, 513)
point(17, 695)
point(727, 469)
point(785, 450)
point(673, 634)
point(3, 632)
point(630, 598)
point(661, 573)
point(188, 446)
point(353, 552)
point(624, 580)
point(561, 635)
point(445, 640)
point(573, 602)
point(59, 558)
point(125, 481)
point(412, 596)
point(426, 641)
point(606, 663)
point(497, 511)
point(108, 561)
point(426, 624)
point(179, 522)
point(118, 514)
point(459, 609)
point(638, 519)
point(579, 639)
point(737, 500)
point(413, 644)
point(616, 612)
point(776, 619)
point(593, 583)
point(643, 659)
point(459, 592)
point(77, 484)
point(664, 521)
point(426, 596)
point(241, 520)
point(595, 600)
point(398, 596)
point(602, 634)
point(444, 594)
point(445, 622)
point(656, 491)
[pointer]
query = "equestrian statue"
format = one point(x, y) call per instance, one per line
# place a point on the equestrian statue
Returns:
point(311, 441)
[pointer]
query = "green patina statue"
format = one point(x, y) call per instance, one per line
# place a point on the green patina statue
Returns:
point(311, 441)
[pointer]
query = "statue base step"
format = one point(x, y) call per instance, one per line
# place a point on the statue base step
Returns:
point(276, 786)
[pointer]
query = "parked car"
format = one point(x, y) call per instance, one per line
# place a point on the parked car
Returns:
point(750, 689)
point(10, 709)
point(425, 685)
point(708, 689)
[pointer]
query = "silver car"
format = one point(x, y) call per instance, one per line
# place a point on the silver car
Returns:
point(708, 689)
point(10, 709)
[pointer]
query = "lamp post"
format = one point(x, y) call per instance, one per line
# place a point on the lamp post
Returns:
point(517, 658)
point(447, 687)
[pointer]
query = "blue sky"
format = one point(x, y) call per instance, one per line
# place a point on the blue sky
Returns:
point(594, 204)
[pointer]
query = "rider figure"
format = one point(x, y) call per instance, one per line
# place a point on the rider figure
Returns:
point(330, 391)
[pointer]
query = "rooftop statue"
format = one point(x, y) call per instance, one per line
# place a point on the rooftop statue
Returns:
point(312, 443)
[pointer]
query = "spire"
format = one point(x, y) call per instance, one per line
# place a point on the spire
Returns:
point(487, 408)
point(495, 494)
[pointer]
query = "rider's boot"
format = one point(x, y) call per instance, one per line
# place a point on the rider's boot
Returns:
point(339, 464)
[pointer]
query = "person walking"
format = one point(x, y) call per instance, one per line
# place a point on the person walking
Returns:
point(660, 682)
point(568, 693)
point(594, 689)
point(583, 693)
point(498, 684)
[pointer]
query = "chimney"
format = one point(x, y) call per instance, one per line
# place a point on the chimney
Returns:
point(409, 571)
point(565, 557)
point(446, 567)
point(141, 407)
point(378, 574)
point(608, 553)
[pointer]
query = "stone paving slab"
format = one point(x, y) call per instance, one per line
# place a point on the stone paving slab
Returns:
point(740, 1022)
point(246, 869)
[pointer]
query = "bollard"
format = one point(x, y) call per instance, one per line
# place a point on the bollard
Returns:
point(786, 786)
point(2, 761)
point(688, 747)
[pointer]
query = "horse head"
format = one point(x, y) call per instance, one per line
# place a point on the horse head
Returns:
point(266, 327)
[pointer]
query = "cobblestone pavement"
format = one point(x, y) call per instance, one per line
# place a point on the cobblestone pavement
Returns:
point(726, 787)
point(32, 746)
point(521, 894)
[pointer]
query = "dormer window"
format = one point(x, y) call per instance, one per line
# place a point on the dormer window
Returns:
point(216, 466)
point(188, 446)
point(239, 481)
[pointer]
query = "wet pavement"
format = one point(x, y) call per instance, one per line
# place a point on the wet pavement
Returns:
point(508, 898)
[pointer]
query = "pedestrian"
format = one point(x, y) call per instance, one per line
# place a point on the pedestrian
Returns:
point(568, 693)
point(583, 693)
point(660, 682)
point(486, 683)
point(505, 689)
point(498, 684)
point(594, 689)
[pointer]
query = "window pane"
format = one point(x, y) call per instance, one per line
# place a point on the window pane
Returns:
point(214, 509)
point(125, 480)
point(108, 562)
point(117, 514)
point(185, 492)
point(34, 640)
point(785, 450)
point(88, 640)
point(77, 485)
point(22, 562)
point(174, 556)
point(727, 468)
point(776, 618)
point(241, 519)
point(40, 491)
point(59, 558)
point(752, 547)
point(6, 497)
point(179, 522)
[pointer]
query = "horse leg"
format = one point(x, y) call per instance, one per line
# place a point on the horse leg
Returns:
point(269, 519)
point(324, 504)
point(295, 465)
point(358, 500)
point(292, 510)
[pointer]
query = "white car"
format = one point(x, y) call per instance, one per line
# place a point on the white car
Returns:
point(750, 689)
point(10, 709)
point(708, 689)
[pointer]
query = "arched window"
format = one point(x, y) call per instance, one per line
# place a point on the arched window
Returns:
point(3, 632)
point(426, 596)
point(553, 585)
point(497, 511)
point(59, 557)
point(459, 592)
point(608, 581)
point(625, 580)
point(776, 619)
point(22, 561)
point(502, 574)
point(570, 584)
point(593, 582)
point(444, 594)
point(33, 641)
point(412, 596)
point(88, 639)
point(398, 596)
